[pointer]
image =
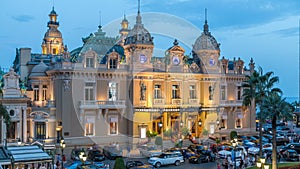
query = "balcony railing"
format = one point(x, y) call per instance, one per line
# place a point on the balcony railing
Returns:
point(104, 104)
point(176, 101)
point(231, 102)
point(159, 101)
point(193, 101)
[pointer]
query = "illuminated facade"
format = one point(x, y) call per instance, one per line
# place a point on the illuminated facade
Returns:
point(115, 89)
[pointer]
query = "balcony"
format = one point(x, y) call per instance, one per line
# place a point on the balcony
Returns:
point(102, 104)
point(231, 103)
point(159, 101)
point(176, 101)
point(193, 101)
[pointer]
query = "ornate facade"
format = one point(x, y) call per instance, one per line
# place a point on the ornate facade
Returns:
point(114, 89)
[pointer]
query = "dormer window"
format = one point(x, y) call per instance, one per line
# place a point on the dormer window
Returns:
point(113, 60)
point(113, 63)
point(89, 62)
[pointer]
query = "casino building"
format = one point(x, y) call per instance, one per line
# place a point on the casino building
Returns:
point(114, 89)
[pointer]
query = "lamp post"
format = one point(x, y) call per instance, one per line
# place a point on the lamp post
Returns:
point(82, 158)
point(162, 134)
point(19, 142)
point(58, 130)
point(261, 163)
point(62, 145)
point(234, 144)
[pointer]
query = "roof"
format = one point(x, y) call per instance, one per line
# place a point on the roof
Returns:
point(4, 159)
point(28, 154)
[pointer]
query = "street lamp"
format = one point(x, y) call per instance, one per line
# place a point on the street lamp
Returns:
point(261, 163)
point(58, 130)
point(62, 145)
point(200, 122)
point(234, 144)
point(19, 142)
point(160, 124)
point(82, 158)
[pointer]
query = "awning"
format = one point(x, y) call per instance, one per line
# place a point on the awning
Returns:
point(23, 154)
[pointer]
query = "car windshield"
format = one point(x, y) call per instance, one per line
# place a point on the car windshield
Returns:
point(162, 156)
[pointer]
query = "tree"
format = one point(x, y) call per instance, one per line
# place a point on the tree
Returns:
point(275, 107)
point(4, 114)
point(256, 87)
point(119, 163)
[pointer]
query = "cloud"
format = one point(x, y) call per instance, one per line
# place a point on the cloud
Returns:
point(23, 18)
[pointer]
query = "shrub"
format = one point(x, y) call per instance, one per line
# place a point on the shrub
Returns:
point(168, 133)
point(158, 140)
point(119, 163)
point(205, 132)
point(151, 134)
point(233, 134)
point(185, 131)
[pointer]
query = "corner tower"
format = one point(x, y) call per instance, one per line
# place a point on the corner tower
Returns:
point(206, 51)
point(52, 42)
point(139, 46)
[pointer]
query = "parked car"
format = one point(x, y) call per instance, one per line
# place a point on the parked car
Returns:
point(290, 155)
point(75, 154)
point(187, 153)
point(111, 152)
point(200, 158)
point(137, 164)
point(294, 146)
point(166, 159)
point(196, 147)
point(96, 155)
point(211, 156)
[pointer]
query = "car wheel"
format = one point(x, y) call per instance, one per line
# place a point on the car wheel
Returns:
point(177, 162)
point(158, 164)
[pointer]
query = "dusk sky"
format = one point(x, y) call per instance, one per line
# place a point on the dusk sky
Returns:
point(266, 30)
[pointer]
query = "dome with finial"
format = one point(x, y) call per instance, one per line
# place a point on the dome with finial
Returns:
point(139, 34)
point(206, 41)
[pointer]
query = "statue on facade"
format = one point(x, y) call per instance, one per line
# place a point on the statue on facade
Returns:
point(143, 91)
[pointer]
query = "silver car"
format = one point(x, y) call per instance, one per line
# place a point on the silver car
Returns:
point(166, 159)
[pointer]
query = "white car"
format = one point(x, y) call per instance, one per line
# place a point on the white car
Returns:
point(150, 153)
point(166, 159)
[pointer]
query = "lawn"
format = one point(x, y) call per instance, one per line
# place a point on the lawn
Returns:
point(281, 165)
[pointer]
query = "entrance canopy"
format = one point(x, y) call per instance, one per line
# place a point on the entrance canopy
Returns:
point(28, 154)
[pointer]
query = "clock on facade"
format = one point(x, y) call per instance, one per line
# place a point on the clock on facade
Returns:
point(176, 60)
point(211, 62)
point(143, 58)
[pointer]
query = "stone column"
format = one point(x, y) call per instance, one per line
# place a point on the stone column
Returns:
point(24, 125)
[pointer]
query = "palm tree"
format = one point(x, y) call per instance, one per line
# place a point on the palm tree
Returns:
point(257, 86)
point(275, 107)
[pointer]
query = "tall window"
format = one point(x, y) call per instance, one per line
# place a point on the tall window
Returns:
point(90, 126)
point(175, 92)
point(157, 91)
point(113, 63)
point(192, 92)
point(89, 91)
point(44, 92)
point(89, 62)
point(223, 93)
point(36, 92)
point(40, 130)
point(238, 123)
point(113, 125)
point(223, 121)
point(112, 91)
point(239, 93)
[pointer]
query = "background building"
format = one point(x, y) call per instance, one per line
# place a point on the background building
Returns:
point(114, 89)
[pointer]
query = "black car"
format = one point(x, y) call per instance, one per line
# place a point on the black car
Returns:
point(294, 146)
point(196, 147)
point(211, 156)
point(201, 158)
point(290, 155)
point(187, 153)
point(75, 154)
point(96, 155)
point(111, 152)
point(137, 164)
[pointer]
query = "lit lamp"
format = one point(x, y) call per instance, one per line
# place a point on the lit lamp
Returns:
point(261, 163)
point(234, 144)
point(160, 124)
point(181, 123)
point(218, 121)
point(82, 157)
point(258, 164)
point(19, 142)
point(62, 145)
point(200, 122)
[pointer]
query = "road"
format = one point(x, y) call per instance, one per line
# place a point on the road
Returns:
point(186, 165)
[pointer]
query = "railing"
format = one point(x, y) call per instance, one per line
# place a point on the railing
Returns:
point(102, 104)
point(176, 101)
point(231, 102)
point(193, 101)
point(45, 103)
point(159, 101)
